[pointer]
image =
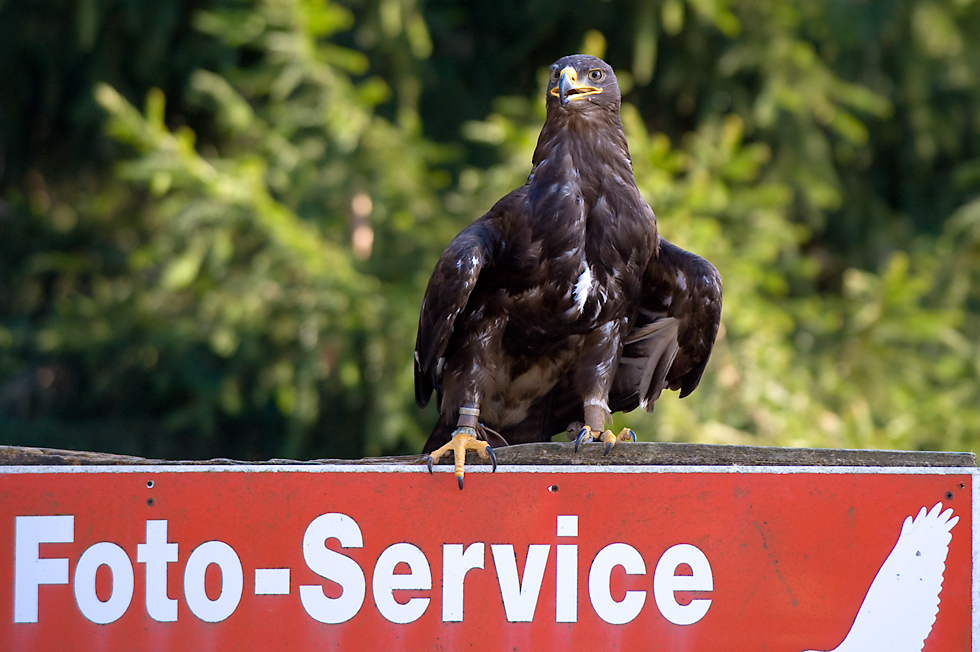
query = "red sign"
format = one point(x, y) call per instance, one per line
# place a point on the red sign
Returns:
point(528, 558)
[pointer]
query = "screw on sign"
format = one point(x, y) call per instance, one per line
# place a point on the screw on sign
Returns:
point(693, 561)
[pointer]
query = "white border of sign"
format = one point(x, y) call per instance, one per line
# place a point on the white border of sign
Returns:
point(976, 562)
point(485, 468)
point(412, 468)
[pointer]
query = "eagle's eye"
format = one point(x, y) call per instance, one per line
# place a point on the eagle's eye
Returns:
point(554, 72)
point(595, 75)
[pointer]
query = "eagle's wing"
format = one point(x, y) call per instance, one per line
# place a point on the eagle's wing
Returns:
point(669, 344)
point(900, 608)
point(446, 297)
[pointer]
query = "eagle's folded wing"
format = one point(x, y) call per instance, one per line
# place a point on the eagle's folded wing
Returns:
point(446, 295)
point(670, 342)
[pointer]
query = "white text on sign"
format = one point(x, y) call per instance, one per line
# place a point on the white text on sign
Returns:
point(519, 593)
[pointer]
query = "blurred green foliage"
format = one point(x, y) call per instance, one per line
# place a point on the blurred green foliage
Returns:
point(217, 218)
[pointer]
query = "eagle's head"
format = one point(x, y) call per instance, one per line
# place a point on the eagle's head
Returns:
point(581, 82)
point(583, 121)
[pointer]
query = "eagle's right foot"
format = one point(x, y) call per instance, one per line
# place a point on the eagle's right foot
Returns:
point(585, 435)
point(464, 439)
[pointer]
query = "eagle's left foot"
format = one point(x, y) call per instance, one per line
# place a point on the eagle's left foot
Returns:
point(585, 435)
point(464, 439)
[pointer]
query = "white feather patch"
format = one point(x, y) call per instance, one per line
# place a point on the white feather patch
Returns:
point(597, 402)
point(583, 286)
point(681, 280)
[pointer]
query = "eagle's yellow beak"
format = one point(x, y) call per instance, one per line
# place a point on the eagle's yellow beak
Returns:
point(569, 88)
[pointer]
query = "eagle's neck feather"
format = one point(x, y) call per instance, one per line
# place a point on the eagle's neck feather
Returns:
point(571, 144)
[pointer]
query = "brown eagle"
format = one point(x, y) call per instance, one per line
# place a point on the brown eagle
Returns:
point(562, 304)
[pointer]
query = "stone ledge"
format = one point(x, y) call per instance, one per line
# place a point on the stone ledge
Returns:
point(629, 454)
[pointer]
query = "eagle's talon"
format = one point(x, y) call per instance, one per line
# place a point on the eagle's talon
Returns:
point(464, 439)
point(429, 463)
point(584, 435)
point(610, 439)
point(626, 434)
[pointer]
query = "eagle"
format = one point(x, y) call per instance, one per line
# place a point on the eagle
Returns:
point(562, 304)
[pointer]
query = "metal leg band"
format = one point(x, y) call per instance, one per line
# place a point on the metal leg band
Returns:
point(468, 417)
